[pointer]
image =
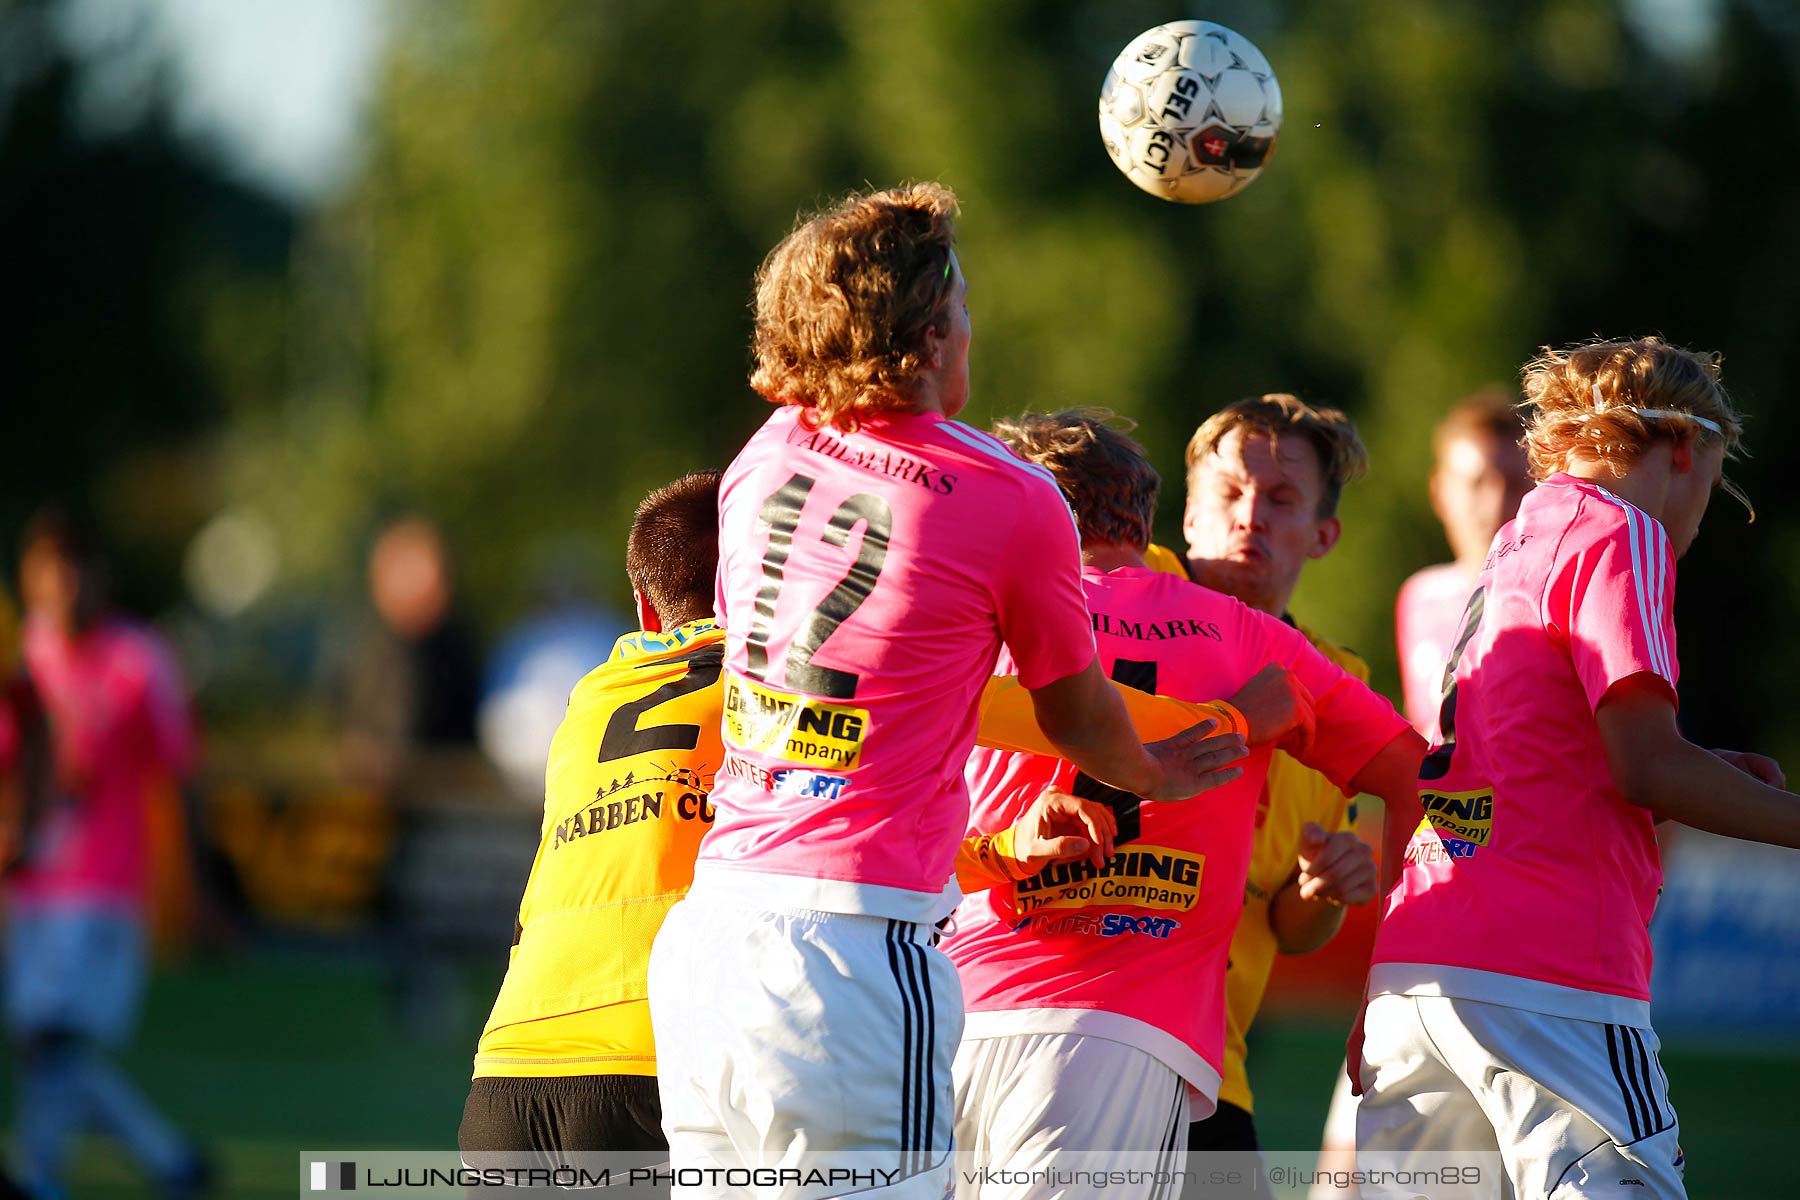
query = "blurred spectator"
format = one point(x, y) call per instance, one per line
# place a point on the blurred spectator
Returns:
point(23, 740)
point(414, 680)
point(531, 672)
point(118, 730)
point(1480, 476)
point(408, 740)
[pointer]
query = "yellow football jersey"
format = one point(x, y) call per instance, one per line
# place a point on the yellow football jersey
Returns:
point(625, 807)
point(1292, 795)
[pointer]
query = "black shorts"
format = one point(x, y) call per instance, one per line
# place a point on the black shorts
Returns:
point(1230, 1128)
point(562, 1113)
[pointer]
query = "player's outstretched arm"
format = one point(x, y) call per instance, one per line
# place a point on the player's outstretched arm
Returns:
point(1086, 720)
point(1009, 717)
point(1656, 768)
point(1278, 708)
point(1057, 827)
point(1393, 774)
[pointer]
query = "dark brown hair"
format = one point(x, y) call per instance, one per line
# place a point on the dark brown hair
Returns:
point(1103, 474)
point(672, 552)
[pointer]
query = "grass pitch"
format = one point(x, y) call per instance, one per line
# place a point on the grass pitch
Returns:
point(276, 1052)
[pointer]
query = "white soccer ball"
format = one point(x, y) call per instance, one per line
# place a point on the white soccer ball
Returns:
point(1190, 111)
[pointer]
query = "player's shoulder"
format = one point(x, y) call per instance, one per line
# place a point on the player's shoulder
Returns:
point(988, 458)
point(640, 657)
point(766, 444)
point(1170, 577)
point(1343, 656)
point(1564, 519)
point(1563, 506)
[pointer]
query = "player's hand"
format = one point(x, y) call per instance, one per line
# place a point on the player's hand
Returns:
point(1193, 762)
point(1060, 826)
point(1278, 708)
point(1758, 766)
point(1338, 868)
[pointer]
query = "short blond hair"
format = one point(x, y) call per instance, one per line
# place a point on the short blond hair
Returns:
point(1104, 475)
point(1331, 434)
point(844, 302)
point(1609, 401)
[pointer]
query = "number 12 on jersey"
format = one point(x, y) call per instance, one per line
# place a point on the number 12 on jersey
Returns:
point(780, 515)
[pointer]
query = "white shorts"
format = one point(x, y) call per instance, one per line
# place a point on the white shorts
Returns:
point(803, 1041)
point(1340, 1115)
point(1575, 1108)
point(1042, 1102)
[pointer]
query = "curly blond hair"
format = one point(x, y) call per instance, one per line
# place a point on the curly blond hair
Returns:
point(1608, 401)
point(1332, 435)
point(1104, 475)
point(843, 304)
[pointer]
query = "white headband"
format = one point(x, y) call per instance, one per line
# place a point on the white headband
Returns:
point(1654, 414)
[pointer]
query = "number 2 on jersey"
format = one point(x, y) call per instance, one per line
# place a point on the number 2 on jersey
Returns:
point(1124, 805)
point(1437, 763)
point(780, 515)
point(623, 738)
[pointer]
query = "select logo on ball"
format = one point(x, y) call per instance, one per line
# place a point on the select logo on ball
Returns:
point(1190, 111)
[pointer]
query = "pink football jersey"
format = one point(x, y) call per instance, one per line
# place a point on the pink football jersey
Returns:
point(120, 724)
point(1427, 617)
point(1531, 880)
point(867, 581)
point(1136, 951)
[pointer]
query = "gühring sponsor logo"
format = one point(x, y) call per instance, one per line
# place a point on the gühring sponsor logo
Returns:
point(1156, 877)
point(1456, 825)
point(765, 720)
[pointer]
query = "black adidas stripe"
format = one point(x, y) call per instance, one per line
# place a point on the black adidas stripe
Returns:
point(1166, 1161)
point(921, 988)
point(928, 1056)
point(1643, 1058)
point(1625, 1091)
point(906, 1052)
point(1638, 1085)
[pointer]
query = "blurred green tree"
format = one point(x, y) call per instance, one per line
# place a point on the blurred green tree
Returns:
point(533, 306)
point(116, 240)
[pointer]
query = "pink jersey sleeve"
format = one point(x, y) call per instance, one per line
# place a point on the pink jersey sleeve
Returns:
point(1612, 595)
point(165, 702)
point(1042, 612)
point(1354, 721)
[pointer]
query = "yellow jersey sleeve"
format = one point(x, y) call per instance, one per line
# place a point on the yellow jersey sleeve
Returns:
point(987, 861)
point(1009, 722)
